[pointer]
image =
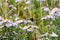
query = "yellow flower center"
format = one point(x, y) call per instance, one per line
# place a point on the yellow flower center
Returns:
point(30, 28)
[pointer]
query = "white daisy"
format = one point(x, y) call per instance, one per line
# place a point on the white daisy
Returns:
point(25, 27)
point(30, 29)
point(53, 35)
point(28, 2)
point(16, 18)
point(46, 9)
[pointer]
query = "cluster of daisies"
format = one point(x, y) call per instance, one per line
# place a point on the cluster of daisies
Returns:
point(48, 34)
point(17, 23)
point(53, 14)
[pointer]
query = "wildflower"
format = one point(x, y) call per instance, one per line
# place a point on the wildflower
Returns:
point(46, 9)
point(53, 17)
point(51, 22)
point(19, 21)
point(22, 21)
point(58, 14)
point(25, 27)
point(53, 35)
point(8, 25)
point(25, 21)
point(55, 13)
point(16, 18)
point(7, 21)
point(54, 10)
point(29, 21)
point(47, 17)
point(52, 14)
point(15, 23)
point(43, 18)
point(30, 29)
point(46, 34)
point(1, 22)
point(10, 16)
point(28, 2)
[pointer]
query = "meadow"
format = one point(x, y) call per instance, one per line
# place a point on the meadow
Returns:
point(29, 19)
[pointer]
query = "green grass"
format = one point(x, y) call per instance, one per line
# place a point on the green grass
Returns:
point(33, 10)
